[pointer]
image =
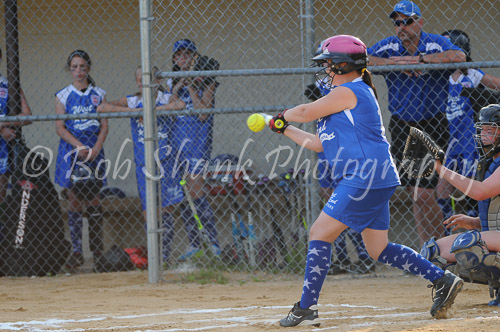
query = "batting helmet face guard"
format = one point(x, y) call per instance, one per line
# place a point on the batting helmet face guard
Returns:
point(488, 131)
point(324, 83)
point(461, 39)
point(341, 49)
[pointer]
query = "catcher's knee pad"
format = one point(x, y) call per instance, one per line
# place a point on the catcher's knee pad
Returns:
point(471, 252)
point(430, 251)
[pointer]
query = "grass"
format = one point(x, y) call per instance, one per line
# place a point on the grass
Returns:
point(205, 276)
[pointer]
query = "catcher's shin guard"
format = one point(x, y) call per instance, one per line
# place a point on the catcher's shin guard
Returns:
point(475, 263)
point(95, 219)
point(472, 253)
point(430, 251)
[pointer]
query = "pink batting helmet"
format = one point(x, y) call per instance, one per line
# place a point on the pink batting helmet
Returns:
point(344, 48)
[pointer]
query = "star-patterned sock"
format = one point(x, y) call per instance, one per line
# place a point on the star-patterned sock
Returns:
point(319, 256)
point(407, 259)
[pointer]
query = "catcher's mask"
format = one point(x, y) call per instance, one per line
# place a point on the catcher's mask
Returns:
point(461, 39)
point(340, 49)
point(489, 116)
point(87, 181)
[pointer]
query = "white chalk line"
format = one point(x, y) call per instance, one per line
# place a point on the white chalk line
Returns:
point(57, 325)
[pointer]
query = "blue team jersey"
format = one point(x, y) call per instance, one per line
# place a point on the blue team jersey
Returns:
point(415, 98)
point(164, 128)
point(355, 145)
point(489, 209)
point(189, 128)
point(192, 138)
point(460, 114)
point(4, 111)
point(85, 130)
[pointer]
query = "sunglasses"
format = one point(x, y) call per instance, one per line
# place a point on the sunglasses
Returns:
point(405, 22)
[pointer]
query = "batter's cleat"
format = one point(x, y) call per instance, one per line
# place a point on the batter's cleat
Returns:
point(190, 253)
point(299, 316)
point(447, 288)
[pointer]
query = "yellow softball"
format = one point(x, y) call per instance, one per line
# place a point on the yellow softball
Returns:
point(256, 122)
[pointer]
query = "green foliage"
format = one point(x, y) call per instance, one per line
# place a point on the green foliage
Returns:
point(205, 276)
point(296, 258)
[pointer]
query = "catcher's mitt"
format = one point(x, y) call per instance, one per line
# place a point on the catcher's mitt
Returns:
point(420, 153)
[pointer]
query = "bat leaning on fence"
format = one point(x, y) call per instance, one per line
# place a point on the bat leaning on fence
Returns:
point(203, 234)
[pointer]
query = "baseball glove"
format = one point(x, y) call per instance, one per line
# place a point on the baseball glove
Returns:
point(420, 153)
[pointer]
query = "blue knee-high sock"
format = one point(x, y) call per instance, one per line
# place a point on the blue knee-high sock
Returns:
point(341, 248)
point(75, 223)
point(317, 266)
point(357, 240)
point(168, 234)
point(191, 226)
point(407, 259)
point(206, 215)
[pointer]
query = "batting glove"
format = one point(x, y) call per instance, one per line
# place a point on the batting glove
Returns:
point(278, 124)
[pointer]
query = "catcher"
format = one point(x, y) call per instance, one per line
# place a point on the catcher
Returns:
point(475, 254)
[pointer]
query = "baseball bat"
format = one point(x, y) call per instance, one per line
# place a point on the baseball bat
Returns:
point(201, 229)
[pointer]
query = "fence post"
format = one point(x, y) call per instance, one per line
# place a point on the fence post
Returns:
point(154, 257)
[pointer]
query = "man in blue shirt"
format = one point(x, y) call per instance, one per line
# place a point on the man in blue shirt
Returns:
point(418, 99)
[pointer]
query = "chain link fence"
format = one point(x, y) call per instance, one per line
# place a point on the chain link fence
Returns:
point(248, 198)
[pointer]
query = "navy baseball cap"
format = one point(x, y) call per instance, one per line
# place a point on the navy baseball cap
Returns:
point(184, 44)
point(407, 8)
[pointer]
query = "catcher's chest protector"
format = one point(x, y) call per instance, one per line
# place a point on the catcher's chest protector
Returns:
point(493, 215)
point(33, 228)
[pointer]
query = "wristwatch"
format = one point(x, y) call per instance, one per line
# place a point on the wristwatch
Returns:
point(421, 58)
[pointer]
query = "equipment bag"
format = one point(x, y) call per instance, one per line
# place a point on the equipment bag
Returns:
point(113, 260)
point(32, 242)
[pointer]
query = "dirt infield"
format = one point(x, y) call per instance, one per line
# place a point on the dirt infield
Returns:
point(126, 302)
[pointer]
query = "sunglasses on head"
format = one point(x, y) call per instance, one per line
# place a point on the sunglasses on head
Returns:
point(405, 22)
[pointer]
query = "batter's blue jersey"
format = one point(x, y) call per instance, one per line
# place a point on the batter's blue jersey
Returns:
point(460, 114)
point(164, 128)
point(4, 111)
point(415, 98)
point(489, 209)
point(85, 130)
point(355, 145)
